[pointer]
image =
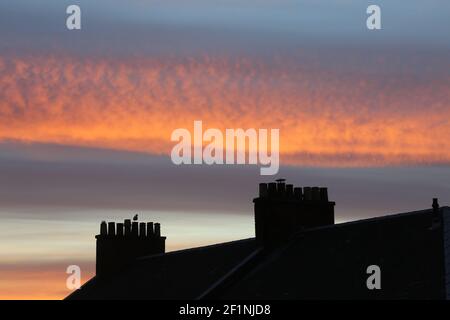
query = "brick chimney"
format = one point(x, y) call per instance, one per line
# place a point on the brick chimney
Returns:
point(121, 243)
point(282, 210)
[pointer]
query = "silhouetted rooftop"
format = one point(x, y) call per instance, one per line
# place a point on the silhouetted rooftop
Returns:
point(322, 262)
point(180, 274)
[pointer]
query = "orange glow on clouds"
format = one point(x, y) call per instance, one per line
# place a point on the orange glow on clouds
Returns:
point(324, 118)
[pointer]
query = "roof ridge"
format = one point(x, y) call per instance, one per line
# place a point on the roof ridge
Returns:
point(195, 248)
point(373, 219)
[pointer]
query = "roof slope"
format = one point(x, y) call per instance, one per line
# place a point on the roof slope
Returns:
point(331, 262)
point(183, 274)
point(327, 262)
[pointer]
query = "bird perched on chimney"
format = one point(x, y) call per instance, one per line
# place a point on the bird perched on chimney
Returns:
point(135, 218)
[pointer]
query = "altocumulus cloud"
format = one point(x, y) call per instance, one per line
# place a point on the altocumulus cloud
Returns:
point(372, 116)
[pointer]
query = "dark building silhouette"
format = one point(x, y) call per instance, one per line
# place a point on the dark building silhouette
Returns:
point(298, 253)
point(282, 210)
point(120, 244)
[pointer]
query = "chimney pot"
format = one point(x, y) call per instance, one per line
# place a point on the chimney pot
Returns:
point(157, 230)
point(127, 224)
point(272, 189)
point(298, 194)
point(135, 228)
point(120, 229)
point(142, 230)
point(290, 190)
point(315, 193)
point(307, 193)
point(103, 229)
point(435, 207)
point(281, 188)
point(111, 229)
point(324, 194)
point(263, 190)
point(435, 203)
point(150, 232)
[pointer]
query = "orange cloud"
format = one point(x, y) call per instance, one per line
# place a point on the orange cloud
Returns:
point(325, 118)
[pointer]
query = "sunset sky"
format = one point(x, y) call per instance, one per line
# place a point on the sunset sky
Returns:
point(86, 117)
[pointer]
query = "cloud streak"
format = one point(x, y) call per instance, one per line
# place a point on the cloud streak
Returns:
point(337, 118)
point(48, 181)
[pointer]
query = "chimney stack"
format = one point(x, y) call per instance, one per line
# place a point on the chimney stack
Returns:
point(282, 210)
point(116, 249)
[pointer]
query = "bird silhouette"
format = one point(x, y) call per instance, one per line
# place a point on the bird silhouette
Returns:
point(135, 218)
